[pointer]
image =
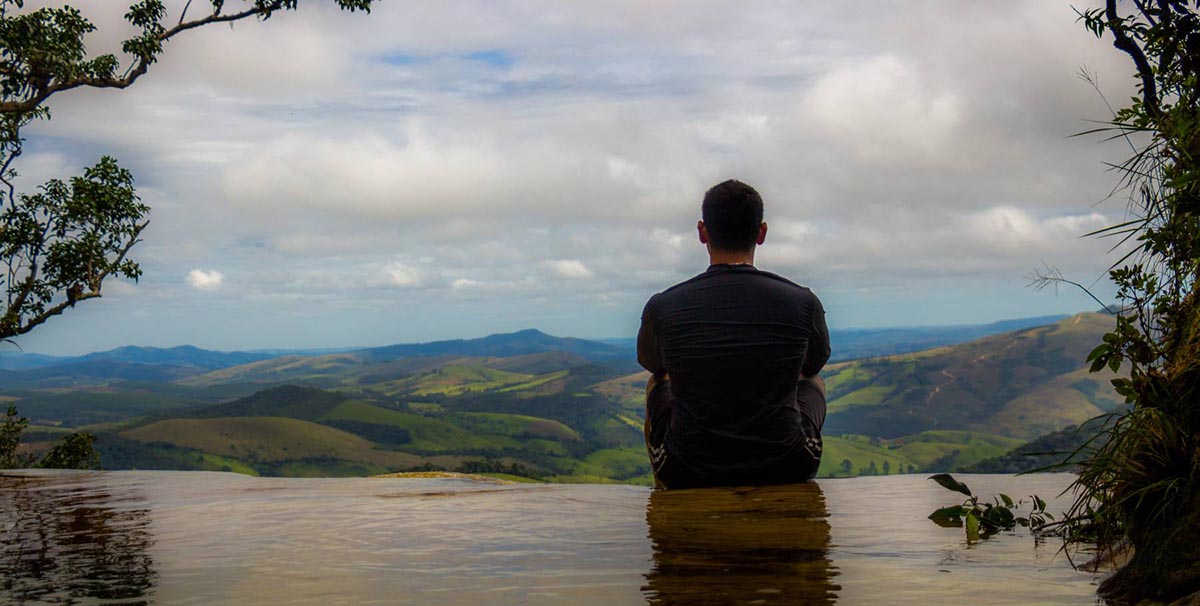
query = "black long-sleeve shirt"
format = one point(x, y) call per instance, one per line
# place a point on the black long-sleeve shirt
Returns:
point(734, 340)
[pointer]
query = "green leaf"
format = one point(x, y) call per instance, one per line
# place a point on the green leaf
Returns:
point(949, 522)
point(948, 513)
point(948, 482)
point(1008, 502)
point(1114, 363)
point(998, 518)
point(1100, 350)
point(972, 527)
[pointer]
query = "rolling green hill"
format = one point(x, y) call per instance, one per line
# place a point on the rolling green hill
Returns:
point(1016, 384)
point(562, 417)
point(852, 455)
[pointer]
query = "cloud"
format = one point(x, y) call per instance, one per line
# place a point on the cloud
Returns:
point(462, 160)
point(571, 269)
point(882, 107)
point(403, 276)
point(465, 283)
point(206, 280)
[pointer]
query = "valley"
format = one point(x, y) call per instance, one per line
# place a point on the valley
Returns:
point(534, 406)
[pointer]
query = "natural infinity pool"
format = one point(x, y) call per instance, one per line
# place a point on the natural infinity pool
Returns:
point(214, 538)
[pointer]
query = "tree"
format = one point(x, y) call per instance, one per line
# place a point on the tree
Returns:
point(59, 245)
point(73, 451)
point(847, 466)
point(1138, 480)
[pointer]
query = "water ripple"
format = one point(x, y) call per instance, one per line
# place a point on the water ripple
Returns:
point(213, 538)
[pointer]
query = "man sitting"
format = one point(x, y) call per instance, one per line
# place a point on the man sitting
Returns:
point(734, 397)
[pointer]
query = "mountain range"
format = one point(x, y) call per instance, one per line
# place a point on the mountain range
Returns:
point(549, 407)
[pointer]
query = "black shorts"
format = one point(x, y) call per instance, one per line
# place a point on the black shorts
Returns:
point(801, 466)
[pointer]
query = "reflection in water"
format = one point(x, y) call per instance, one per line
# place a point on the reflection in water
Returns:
point(227, 539)
point(71, 545)
point(765, 545)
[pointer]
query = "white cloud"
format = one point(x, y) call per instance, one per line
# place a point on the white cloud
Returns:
point(360, 160)
point(882, 107)
point(404, 276)
point(206, 280)
point(569, 268)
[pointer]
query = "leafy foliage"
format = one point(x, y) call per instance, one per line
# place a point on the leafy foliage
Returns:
point(10, 438)
point(59, 245)
point(73, 451)
point(494, 466)
point(982, 519)
point(1138, 483)
point(65, 240)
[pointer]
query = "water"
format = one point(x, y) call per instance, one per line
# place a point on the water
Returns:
point(212, 538)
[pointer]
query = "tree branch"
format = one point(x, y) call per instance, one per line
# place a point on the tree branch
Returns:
point(139, 67)
point(93, 293)
point(1123, 42)
point(185, 10)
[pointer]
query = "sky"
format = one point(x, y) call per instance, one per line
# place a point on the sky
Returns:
point(439, 170)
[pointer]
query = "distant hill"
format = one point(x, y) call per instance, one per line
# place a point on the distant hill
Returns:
point(499, 345)
point(1019, 384)
point(189, 360)
point(91, 373)
point(857, 343)
point(184, 356)
point(17, 360)
point(123, 364)
point(848, 344)
point(514, 403)
point(1048, 452)
point(528, 352)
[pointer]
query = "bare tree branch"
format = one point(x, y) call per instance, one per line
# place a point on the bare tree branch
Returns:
point(1123, 42)
point(185, 10)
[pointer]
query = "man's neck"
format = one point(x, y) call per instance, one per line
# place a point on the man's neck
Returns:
point(728, 257)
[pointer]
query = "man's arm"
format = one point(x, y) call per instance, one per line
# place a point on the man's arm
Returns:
point(818, 346)
point(648, 353)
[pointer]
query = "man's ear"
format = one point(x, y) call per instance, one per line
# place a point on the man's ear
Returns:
point(702, 231)
point(762, 233)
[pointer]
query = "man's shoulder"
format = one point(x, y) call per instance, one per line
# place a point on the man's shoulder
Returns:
point(738, 275)
point(776, 278)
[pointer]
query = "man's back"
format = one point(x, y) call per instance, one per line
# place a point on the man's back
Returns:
point(734, 342)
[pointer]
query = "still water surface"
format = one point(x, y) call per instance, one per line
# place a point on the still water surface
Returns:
point(214, 538)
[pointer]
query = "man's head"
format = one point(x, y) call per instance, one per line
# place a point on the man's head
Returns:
point(732, 218)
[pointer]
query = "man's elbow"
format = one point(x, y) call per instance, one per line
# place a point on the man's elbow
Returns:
point(815, 379)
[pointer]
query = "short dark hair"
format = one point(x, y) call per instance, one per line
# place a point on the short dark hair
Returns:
point(732, 212)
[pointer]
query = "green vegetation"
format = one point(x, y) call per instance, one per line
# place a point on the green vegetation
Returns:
point(940, 450)
point(870, 395)
point(60, 244)
point(519, 426)
point(1020, 385)
point(981, 520)
point(559, 417)
point(454, 380)
point(428, 434)
point(1048, 452)
point(71, 451)
point(1138, 480)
